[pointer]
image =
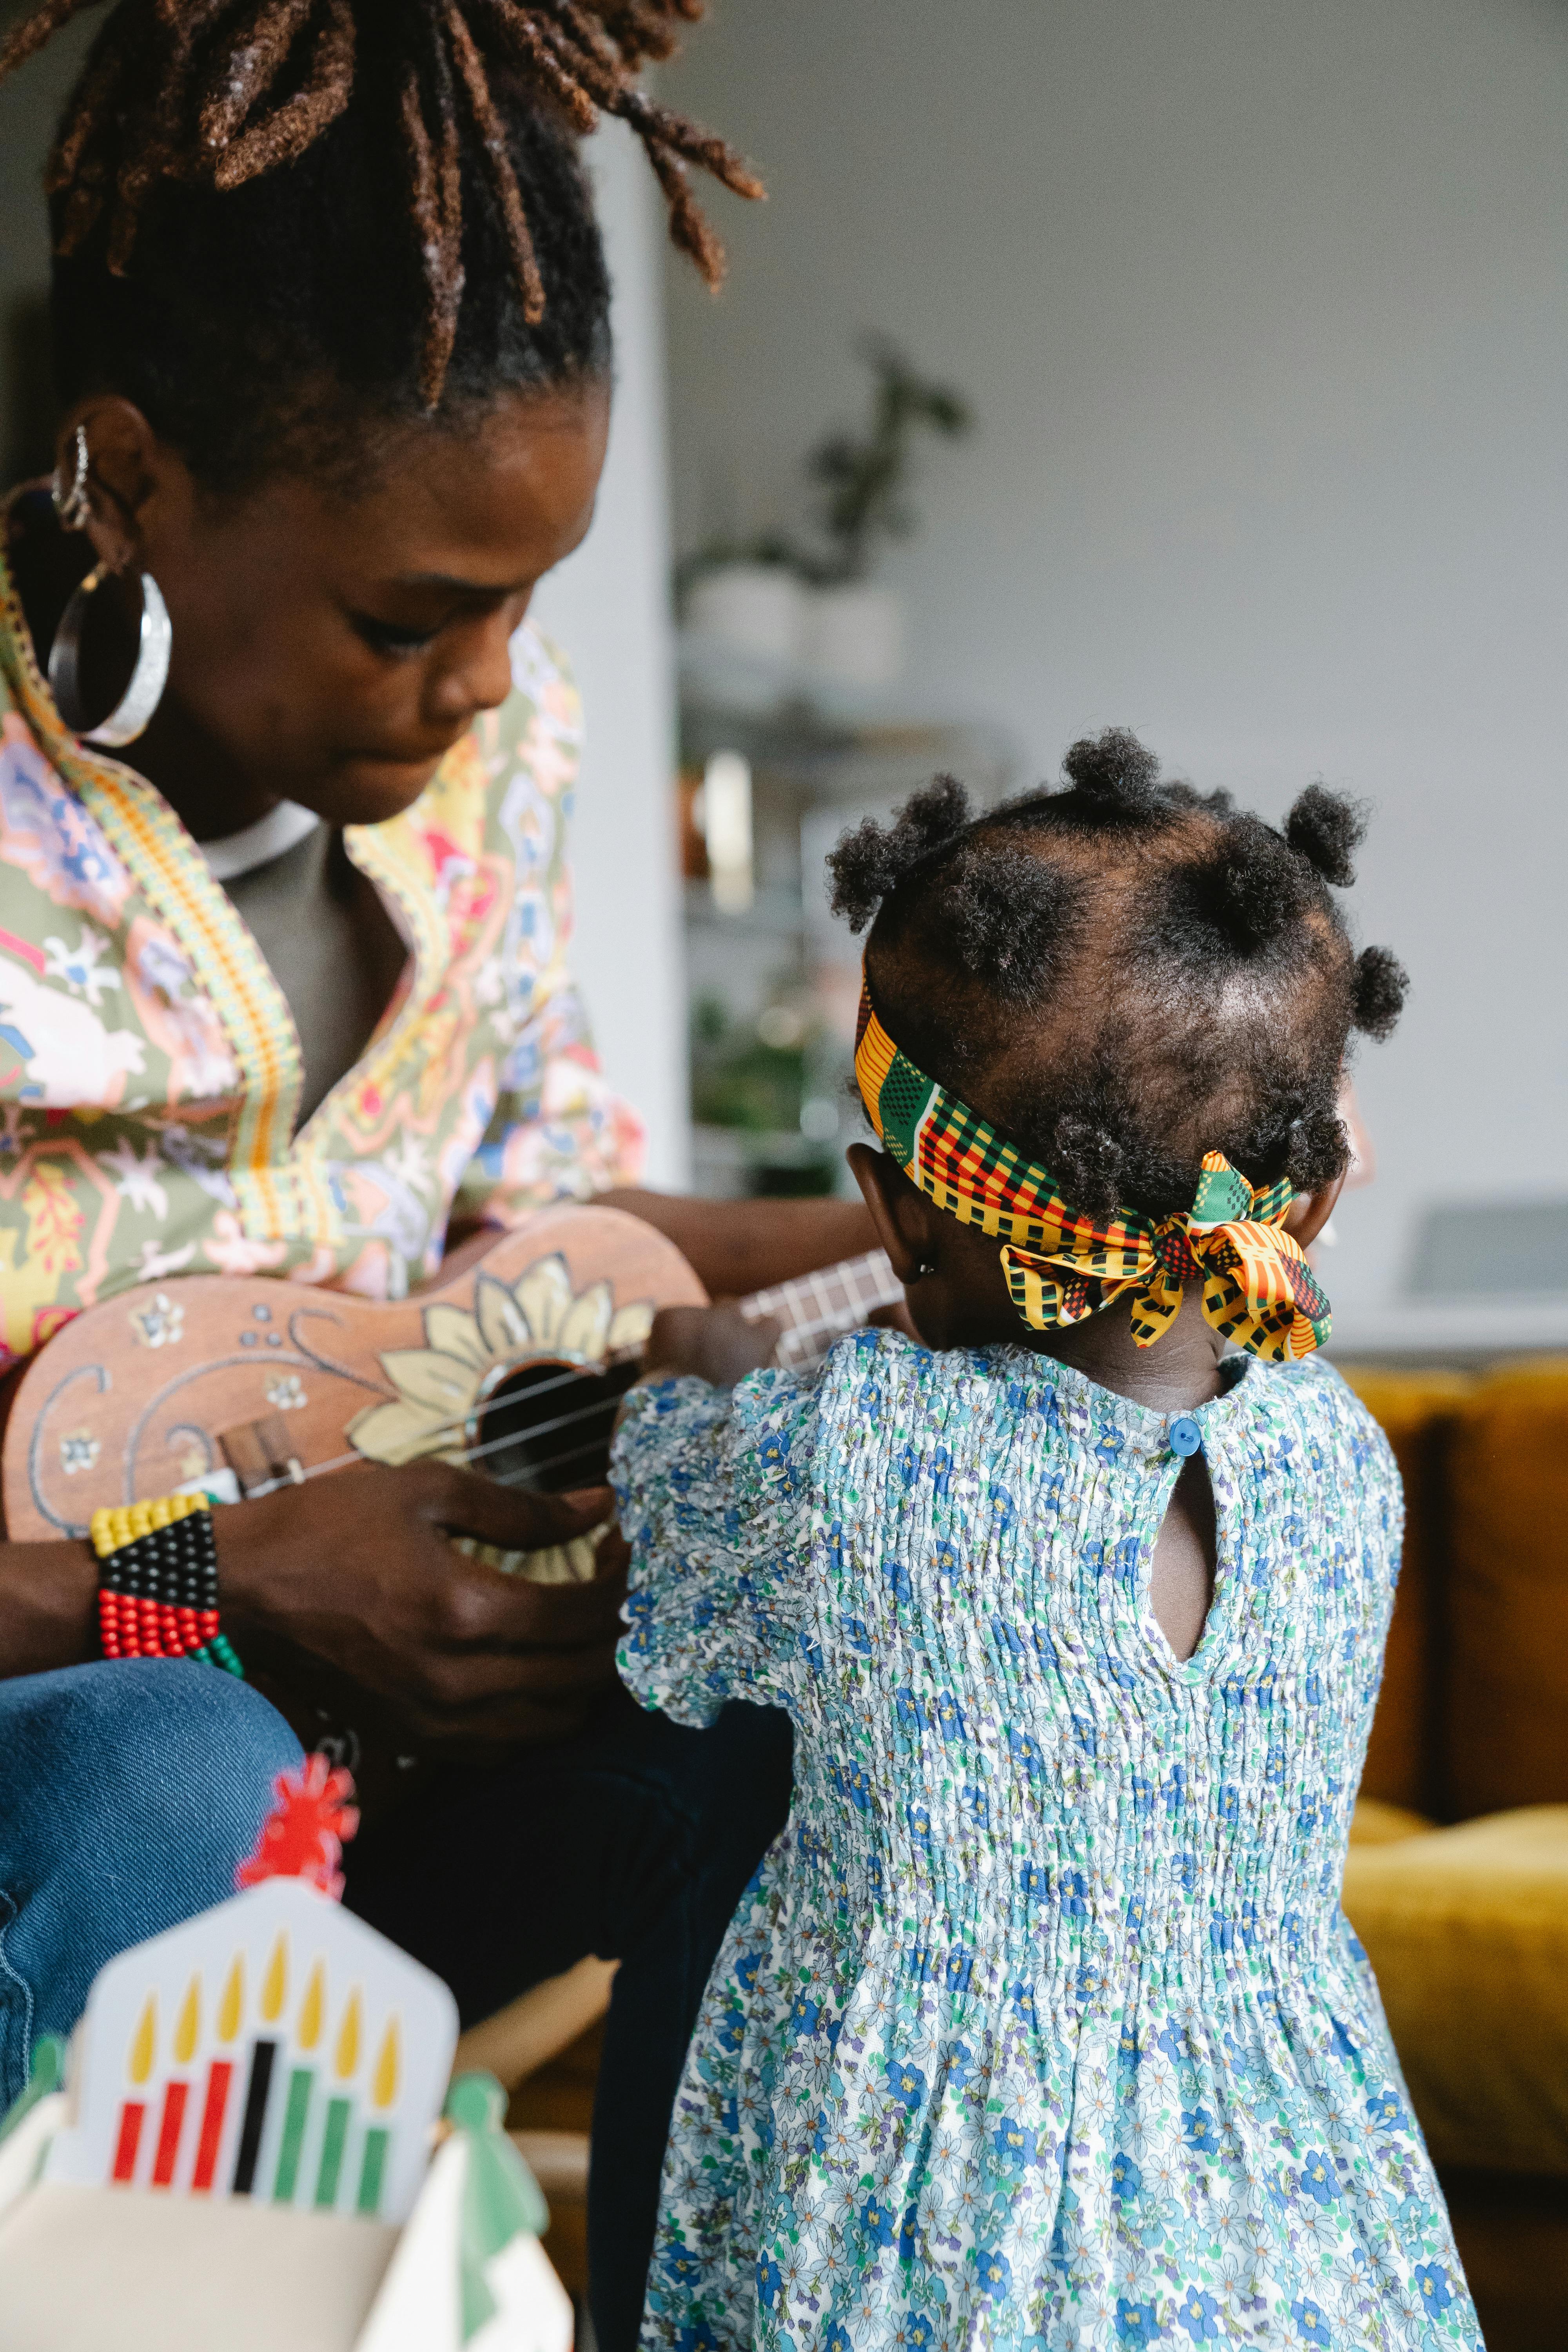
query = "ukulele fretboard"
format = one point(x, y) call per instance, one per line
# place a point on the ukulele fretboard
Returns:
point(817, 1308)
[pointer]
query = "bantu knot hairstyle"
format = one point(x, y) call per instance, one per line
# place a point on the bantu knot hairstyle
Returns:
point(1255, 888)
point(1381, 981)
point(1000, 910)
point(315, 160)
point(1327, 830)
point(1115, 774)
point(1125, 973)
point(875, 858)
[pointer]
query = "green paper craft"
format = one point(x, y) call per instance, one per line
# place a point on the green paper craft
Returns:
point(502, 2198)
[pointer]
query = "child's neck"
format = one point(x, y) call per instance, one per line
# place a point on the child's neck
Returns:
point(963, 1302)
point(1182, 1369)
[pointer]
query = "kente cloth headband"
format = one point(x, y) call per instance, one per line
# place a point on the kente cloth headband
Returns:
point(1060, 1264)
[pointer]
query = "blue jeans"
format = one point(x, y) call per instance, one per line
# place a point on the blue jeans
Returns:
point(128, 1794)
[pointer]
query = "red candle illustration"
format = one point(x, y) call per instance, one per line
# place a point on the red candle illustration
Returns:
point(220, 2076)
point(177, 2089)
point(128, 2139)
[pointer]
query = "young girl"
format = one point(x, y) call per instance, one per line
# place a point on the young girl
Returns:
point(1041, 2024)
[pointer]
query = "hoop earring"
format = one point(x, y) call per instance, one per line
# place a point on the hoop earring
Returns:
point(130, 714)
point(73, 507)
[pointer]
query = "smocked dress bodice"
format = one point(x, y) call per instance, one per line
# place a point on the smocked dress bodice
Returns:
point(1041, 2023)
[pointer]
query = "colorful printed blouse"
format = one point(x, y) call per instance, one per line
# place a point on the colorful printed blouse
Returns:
point(149, 1064)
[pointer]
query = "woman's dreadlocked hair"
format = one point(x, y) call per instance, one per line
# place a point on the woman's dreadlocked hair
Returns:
point(1126, 973)
point(268, 213)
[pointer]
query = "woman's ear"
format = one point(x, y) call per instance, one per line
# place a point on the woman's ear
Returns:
point(124, 466)
point(1309, 1212)
point(897, 1210)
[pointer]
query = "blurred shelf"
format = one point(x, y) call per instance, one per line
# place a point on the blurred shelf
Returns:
point(1461, 1331)
point(814, 774)
point(778, 910)
point(800, 754)
point(728, 1162)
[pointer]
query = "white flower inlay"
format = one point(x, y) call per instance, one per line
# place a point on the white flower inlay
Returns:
point(161, 1325)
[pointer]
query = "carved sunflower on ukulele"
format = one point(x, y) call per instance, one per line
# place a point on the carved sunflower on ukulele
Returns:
point(444, 1386)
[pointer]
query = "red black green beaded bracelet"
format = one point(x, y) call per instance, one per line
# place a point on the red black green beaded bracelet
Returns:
point(157, 1587)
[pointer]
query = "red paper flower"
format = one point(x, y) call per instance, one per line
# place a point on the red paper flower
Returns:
point(302, 1836)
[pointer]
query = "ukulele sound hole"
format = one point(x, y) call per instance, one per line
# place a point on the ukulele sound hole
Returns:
point(548, 1426)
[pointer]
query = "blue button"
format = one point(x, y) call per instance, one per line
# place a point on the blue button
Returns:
point(1184, 1434)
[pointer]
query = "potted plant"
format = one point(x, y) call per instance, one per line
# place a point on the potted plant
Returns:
point(813, 607)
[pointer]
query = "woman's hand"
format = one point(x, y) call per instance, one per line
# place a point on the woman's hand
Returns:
point(716, 1343)
point(356, 1570)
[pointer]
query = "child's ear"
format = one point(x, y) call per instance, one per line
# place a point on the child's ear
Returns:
point(898, 1212)
point(1311, 1212)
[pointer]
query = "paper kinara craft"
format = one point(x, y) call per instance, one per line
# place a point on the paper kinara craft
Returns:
point(272, 2048)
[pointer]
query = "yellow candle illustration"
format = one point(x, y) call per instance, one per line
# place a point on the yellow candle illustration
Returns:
point(312, 2007)
point(188, 2024)
point(231, 2008)
point(383, 2088)
point(144, 2042)
point(275, 1984)
point(347, 2060)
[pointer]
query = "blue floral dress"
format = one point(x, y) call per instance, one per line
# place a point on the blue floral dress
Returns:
point(1041, 2024)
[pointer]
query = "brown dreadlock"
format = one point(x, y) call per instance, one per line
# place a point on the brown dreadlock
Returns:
point(221, 92)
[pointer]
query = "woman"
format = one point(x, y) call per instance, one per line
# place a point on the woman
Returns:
point(284, 984)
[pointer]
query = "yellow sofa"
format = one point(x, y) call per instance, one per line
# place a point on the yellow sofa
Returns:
point(1457, 1876)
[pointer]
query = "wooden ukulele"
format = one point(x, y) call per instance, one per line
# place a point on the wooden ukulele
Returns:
point(514, 1366)
point(235, 1386)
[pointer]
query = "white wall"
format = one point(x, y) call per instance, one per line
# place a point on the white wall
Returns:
point(608, 607)
point(1264, 305)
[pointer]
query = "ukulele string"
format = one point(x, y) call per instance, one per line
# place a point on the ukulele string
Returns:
point(435, 1438)
point(799, 1330)
point(455, 1429)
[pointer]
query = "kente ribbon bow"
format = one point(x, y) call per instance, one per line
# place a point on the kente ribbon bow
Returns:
point(1061, 1264)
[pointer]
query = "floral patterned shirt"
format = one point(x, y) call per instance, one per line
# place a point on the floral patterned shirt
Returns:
point(149, 1069)
point(1041, 2026)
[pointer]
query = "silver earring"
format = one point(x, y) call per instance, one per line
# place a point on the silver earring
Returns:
point(130, 714)
point(73, 507)
point(924, 1267)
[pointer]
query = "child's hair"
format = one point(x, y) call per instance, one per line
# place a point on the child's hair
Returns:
point(1125, 973)
point(278, 221)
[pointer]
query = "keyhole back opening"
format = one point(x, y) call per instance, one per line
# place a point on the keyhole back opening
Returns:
point(1182, 1573)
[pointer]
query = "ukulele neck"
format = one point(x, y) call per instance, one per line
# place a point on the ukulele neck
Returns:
point(815, 1309)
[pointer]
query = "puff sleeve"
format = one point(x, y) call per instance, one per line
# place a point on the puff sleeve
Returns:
point(715, 1487)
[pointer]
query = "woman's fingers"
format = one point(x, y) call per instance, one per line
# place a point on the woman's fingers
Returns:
point(514, 1519)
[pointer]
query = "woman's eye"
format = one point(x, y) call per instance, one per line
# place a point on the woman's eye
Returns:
point(387, 637)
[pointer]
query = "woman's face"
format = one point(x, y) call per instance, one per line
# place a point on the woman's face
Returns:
point(329, 651)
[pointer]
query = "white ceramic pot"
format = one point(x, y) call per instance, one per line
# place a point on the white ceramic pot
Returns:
point(756, 609)
point(854, 635)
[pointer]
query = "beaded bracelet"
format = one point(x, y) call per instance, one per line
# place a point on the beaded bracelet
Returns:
point(157, 1592)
